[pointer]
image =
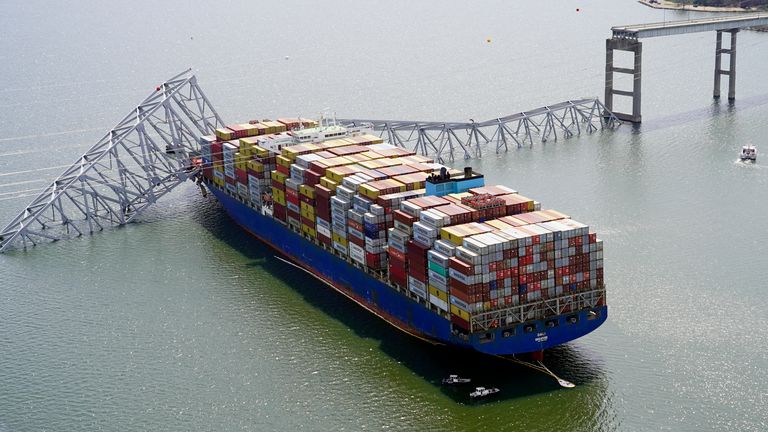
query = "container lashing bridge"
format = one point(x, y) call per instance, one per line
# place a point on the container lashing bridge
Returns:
point(152, 150)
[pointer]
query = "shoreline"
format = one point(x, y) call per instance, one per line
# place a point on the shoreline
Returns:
point(666, 4)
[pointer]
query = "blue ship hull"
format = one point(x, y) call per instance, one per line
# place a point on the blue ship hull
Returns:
point(395, 307)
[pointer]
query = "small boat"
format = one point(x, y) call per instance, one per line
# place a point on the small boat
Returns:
point(481, 392)
point(748, 153)
point(454, 379)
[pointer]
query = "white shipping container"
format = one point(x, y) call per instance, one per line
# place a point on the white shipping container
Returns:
point(323, 231)
point(439, 285)
point(438, 258)
point(418, 291)
point(439, 303)
point(340, 247)
point(357, 253)
point(426, 241)
point(461, 304)
point(433, 275)
point(417, 283)
point(445, 247)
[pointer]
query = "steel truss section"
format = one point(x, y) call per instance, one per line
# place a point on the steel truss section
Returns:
point(141, 159)
point(445, 140)
point(537, 310)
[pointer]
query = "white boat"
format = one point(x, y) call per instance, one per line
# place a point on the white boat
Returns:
point(481, 392)
point(748, 153)
point(454, 379)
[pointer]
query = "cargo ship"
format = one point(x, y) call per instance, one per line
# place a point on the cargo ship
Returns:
point(431, 250)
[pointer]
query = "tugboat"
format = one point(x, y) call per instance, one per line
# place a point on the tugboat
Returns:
point(748, 153)
point(481, 392)
point(454, 379)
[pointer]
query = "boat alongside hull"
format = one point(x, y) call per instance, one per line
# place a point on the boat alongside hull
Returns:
point(396, 307)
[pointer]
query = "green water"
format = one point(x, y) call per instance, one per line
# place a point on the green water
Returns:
point(180, 322)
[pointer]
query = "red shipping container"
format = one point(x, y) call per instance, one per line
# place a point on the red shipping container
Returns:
point(395, 254)
point(460, 266)
point(459, 322)
point(216, 149)
point(283, 169)
point(311, 178)
point(417, 250)
point(323, 192)
point(241, 176)
point(355, 224)
point(325, 240)
point(373, 260)
point(230, 180)
point(419, 275)
point(357, 241)
point(404, 217)
point(278, 211)
point(397, 278)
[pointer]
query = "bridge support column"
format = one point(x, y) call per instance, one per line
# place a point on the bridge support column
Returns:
point(635, 47)
point(731, 72)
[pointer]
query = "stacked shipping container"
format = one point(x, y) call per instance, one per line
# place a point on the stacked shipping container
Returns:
point(462, 254)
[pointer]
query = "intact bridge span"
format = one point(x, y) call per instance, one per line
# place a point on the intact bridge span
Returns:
point(627, 38)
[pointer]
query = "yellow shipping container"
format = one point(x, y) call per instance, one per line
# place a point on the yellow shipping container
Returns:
point(497, 224)
point(278, 176)
point(330, 184)
point(249, 129)
point(273, 126)
point(459, 312)
point(434, 292)
point(451, 234)
point(307, 191)
point(458, 196)
point(247, 143)
point(337, 174)
point(306, 208)
point(218, 166)
point(255, 166)
point(224, 134)
point(283, 161)
point(369, 191)
point(308, 212)
point(371, 155)
point(357, 157)
point(308, 230)
point(259, 151)
point(218, 181)
point(339, 239)
point(280, 201)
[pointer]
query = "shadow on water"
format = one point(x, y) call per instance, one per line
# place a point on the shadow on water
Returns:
point(431, 362)
point(715, 109)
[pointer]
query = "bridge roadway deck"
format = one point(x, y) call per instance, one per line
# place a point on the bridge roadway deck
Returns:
point(669, 28)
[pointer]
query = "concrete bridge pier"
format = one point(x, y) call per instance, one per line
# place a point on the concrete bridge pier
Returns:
point(731, 72)
point(636, 47)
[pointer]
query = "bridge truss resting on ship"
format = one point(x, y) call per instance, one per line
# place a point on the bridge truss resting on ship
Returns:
point(151, 151)
point(448, 140)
